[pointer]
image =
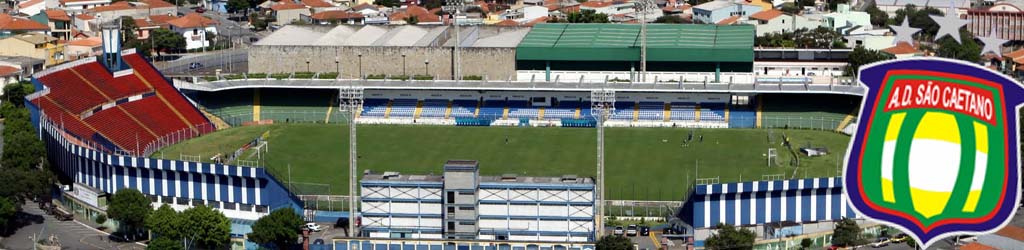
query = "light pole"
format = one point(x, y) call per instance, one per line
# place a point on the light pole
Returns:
point(307, 66)
point(642, 7)
point(454, 8)
point(337, 67)
point(426, 67)
point(360, 56)
point(403, 65)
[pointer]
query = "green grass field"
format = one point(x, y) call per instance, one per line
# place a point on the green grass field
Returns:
point(642, 163)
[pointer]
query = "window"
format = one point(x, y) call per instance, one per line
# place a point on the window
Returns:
point(451, 225)
point(451, 197)
point(261, 209)
point(467, 208)
point(467, 223)
point(451, 209)
point(466, 192)
point(229, 205)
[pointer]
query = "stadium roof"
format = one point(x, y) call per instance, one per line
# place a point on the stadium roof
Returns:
point(620, 42)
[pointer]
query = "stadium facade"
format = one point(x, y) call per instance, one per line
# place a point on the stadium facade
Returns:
point(101, 119)
point(462, 205)
point(772, 209)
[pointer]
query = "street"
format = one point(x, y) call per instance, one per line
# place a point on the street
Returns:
point(70, 234)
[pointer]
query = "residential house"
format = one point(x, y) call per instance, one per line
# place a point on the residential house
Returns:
point(57, 20)
point(194, 27)
point(715, 12)
point(774, 21)
point(9, 74)
point(10, 26)
point(844, 17)
point(34, 45)
point(334, 17)
point(24, 66)
point(1005, 17)
point(903, 50)
point(610, 8)
point(319, 5)
point(288, 12)
point(84, 22)
point(1013, 63)
point(366, 9)
point(82, 48)
point(32, 7)
point(79, 6)
point(138, 9)
point(525, 13)
point(422, 16)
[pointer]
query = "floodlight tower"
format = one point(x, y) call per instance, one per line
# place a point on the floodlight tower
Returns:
point(642, 7)
point(351, 101)
point(602, 104)
point(454, 8)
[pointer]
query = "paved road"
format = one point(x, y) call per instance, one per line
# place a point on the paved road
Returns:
point(228, 61)
point(71, 234)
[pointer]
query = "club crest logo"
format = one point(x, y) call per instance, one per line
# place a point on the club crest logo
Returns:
point(936, 148)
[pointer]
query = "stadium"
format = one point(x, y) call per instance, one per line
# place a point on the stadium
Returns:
point(707, 146)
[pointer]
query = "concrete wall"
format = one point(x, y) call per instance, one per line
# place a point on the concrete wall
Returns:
point(494, 63)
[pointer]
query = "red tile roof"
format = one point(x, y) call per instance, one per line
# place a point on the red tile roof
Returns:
point(675, 8)
point(8, 70)
point(766, 15)
point(161, 19)
point(729, 21)
point(287, 6)
point(157, 3)
point(8, 22)
point(336, 15)
point(595, 4)
point(112, 7)
point(26, 4)
point(316, 3)
point(533, 22)
point(1015, 54)
point(56, 14)
point(192, 20)
point(87, 42)
point(419, 12)
point(84, 16)
point(976, 246)
point(364, 6)
point(507, 23)
point(1012, 232)
point(901, 49)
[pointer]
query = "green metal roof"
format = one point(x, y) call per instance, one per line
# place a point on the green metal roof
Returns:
point(620, 42)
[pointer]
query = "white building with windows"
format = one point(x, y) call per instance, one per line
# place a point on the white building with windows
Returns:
point(461, 204)
point(194, 28)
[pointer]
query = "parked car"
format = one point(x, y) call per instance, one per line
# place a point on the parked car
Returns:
point(631, 230)
point(313, 227)
point(199, 10)
point(618, 231)
point(880, 242)
point(899, 238)
point(195, 65)
point(645, 231)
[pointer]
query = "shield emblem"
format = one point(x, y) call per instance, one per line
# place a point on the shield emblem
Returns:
point(935, 152)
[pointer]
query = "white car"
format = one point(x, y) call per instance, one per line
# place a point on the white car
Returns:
point(631, 230)
point(313, 227)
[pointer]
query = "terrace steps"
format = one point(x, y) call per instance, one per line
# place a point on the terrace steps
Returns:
point(504, 112)
point(696, 113)
point(256, 105)
point(577, 115)
point(387, 110)
point(846, 120)
point(217, 122)
point(476, 112)
point(758, 115)
point(727, 113)
point(448, 110)
point(636, 112)
point(419, 109)
point(540, 113)
point(668, 112)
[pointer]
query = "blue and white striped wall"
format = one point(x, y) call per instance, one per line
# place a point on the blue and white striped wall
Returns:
point(231, 186)
point(760, 202)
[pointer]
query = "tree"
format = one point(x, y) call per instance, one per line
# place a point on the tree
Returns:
point(129, 207)
point(728, 237)
point(790, 8)
point(234, 6)
point(7, 211)
point(164, 244)
point(258, 22)
point(919, 18)
point(128, 31)
point(587, 16)
point(15, 93)
point(165, 223)
point(166, 40)
point(412, 20)
point(387, 3)
point(614, 242)
point(806, 243)
point(861, 56)
point(669, 19)
point(281, 227)
point(967, 49)
point(911, 242)
point(847, 233)
point(100, 219)
point(878, 17)
point(205, 227)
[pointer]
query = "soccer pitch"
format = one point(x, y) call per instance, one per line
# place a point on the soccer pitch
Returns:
point(641, 163)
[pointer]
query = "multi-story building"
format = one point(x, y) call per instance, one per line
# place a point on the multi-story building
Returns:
point(1005, 17)
point(58, 21)
point(194, 28)
point(34, 45)
point(774, 21)
point(716, 11)
point(10, 25)
point(462, 205)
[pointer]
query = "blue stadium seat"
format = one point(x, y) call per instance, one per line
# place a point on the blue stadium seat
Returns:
point(682, 111)
point(712, 112)
point(522, 109)
point(374, 107)
point(564, 110)
point(464, 108)
point(623, 111)
point(434, 108)
point(652, 111)
point(403, 108)
point(492, 109)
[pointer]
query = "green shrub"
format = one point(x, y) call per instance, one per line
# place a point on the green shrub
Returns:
point(379, 76)
point(422, 77)
point(473, 78)
point(328, 75)
point(399, 77)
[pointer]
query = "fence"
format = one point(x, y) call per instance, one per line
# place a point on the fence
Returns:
point(280, 116)
point(177, 137)
point(795, 122)
point(325, 202)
